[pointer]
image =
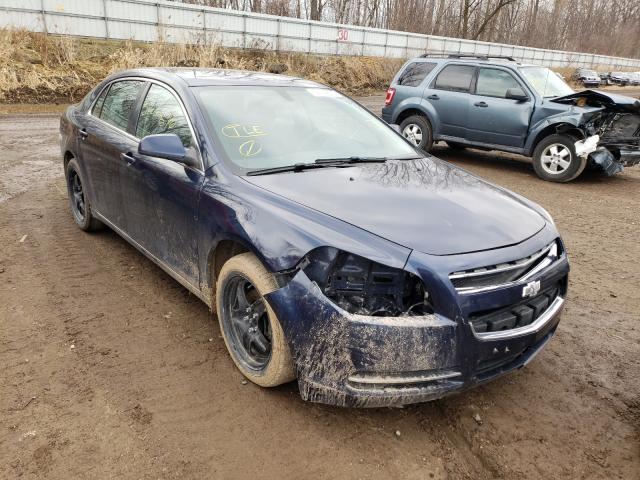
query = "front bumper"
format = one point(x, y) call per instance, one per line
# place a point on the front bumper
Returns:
point(360, 361)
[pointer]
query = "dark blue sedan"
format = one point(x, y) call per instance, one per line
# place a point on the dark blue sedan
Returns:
point(333, 251)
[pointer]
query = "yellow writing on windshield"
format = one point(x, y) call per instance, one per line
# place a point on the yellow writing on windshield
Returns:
point(250, 148)
point(238, 130)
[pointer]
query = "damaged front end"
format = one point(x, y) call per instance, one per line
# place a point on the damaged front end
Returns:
point(612, 134)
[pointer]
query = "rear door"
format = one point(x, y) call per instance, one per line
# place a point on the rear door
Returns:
point(448, 93)
point(161, 196)
point(494, 119)
point(104, 138)
point(411, 81)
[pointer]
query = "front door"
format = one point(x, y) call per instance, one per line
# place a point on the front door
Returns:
point(493, 118)
point(161, 196)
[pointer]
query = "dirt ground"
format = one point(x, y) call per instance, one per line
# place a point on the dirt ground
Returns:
point(112, 370)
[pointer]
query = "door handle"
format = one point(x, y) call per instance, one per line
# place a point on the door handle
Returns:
point(481, 104)
point(128, 157)
point(83, 134)
point(433, 97)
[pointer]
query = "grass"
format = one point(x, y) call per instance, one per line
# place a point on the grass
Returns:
point(37, 68)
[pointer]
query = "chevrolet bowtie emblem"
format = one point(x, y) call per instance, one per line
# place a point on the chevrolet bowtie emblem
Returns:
point(531, 289)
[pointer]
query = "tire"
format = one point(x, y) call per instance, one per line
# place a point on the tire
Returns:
point(238, 272)
point(545, 160)
point(456, 146)
point(78, 201)
point(418, 131)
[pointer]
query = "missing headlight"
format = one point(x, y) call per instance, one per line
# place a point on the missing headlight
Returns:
point(361, 286)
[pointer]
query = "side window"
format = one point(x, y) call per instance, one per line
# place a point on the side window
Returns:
point(415, 73)
point(97, 107)
point(455, 77)
point(495, 83)
point(161, 113)
point(117, 105)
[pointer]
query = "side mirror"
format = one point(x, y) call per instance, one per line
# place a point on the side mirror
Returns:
point(395, 127)
point(516, 94)
point(165, 145)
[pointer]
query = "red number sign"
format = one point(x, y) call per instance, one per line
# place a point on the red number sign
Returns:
point(343, 35)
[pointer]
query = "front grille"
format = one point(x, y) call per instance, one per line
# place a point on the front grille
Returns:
point(491, 276)
point(517, 315)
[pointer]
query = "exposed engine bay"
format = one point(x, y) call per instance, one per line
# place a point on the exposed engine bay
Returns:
point(616, 124)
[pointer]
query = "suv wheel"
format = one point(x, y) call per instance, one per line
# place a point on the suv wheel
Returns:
point(417, 130)
point(555, 159)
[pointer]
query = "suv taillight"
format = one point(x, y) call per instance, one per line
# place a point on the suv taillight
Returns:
point(391, 92)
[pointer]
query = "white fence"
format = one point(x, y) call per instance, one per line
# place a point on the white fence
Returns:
point(150, 21)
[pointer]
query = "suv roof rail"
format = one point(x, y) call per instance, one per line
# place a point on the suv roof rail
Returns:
point(463, 55)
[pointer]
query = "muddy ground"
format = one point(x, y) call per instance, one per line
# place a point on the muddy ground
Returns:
point(112, 370)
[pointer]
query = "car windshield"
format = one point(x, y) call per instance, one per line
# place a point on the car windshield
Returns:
point(261, 127)
point(546, 82)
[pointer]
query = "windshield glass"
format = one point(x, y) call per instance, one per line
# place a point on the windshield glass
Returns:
point(265, 127)
point(546, 82)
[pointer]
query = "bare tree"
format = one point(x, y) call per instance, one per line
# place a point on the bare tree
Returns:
point(608, 27)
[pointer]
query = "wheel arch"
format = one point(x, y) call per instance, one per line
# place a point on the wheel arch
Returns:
point(565, 128)
point(223, 250)
point(411, 111)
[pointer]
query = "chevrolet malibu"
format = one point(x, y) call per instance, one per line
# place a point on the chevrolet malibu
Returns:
point(332, 251)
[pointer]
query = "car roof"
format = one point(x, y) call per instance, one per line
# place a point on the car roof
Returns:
point(196, 77)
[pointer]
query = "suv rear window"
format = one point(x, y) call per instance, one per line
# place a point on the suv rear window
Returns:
point(415, 73)
point(455, 77)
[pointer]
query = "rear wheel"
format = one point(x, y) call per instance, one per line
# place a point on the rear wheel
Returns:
point(251, 331)
point(555, 159)
point(417, 130)
point(78, 200)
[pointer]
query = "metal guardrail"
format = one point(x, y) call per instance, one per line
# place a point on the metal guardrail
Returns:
point(176, 22)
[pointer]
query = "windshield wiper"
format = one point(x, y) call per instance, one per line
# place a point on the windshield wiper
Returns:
point(325, 162)
point(354, 159)
point(296, 167)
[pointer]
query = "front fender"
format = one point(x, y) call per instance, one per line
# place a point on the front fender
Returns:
point(277, 230)
point(575, 120)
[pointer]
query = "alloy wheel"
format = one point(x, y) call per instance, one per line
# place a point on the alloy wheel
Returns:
point(413, 133)
point(247, 322)
point(77, 195)
point(556, 158)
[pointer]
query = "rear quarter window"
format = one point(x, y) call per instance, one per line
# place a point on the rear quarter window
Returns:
point(455, 77)
point(119, 102)
point(415, 73)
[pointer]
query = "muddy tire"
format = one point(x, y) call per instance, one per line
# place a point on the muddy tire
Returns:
point(555, 159)
point(78, 201)
point(251, 331)
point(456, 146)
point(418, 131)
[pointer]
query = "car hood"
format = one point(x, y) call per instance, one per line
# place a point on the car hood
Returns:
point(425, 204)
point(597, 98)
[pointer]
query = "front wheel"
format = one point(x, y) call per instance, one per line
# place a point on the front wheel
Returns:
point(555, 159)
point(250, 328)
point(417, 130)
